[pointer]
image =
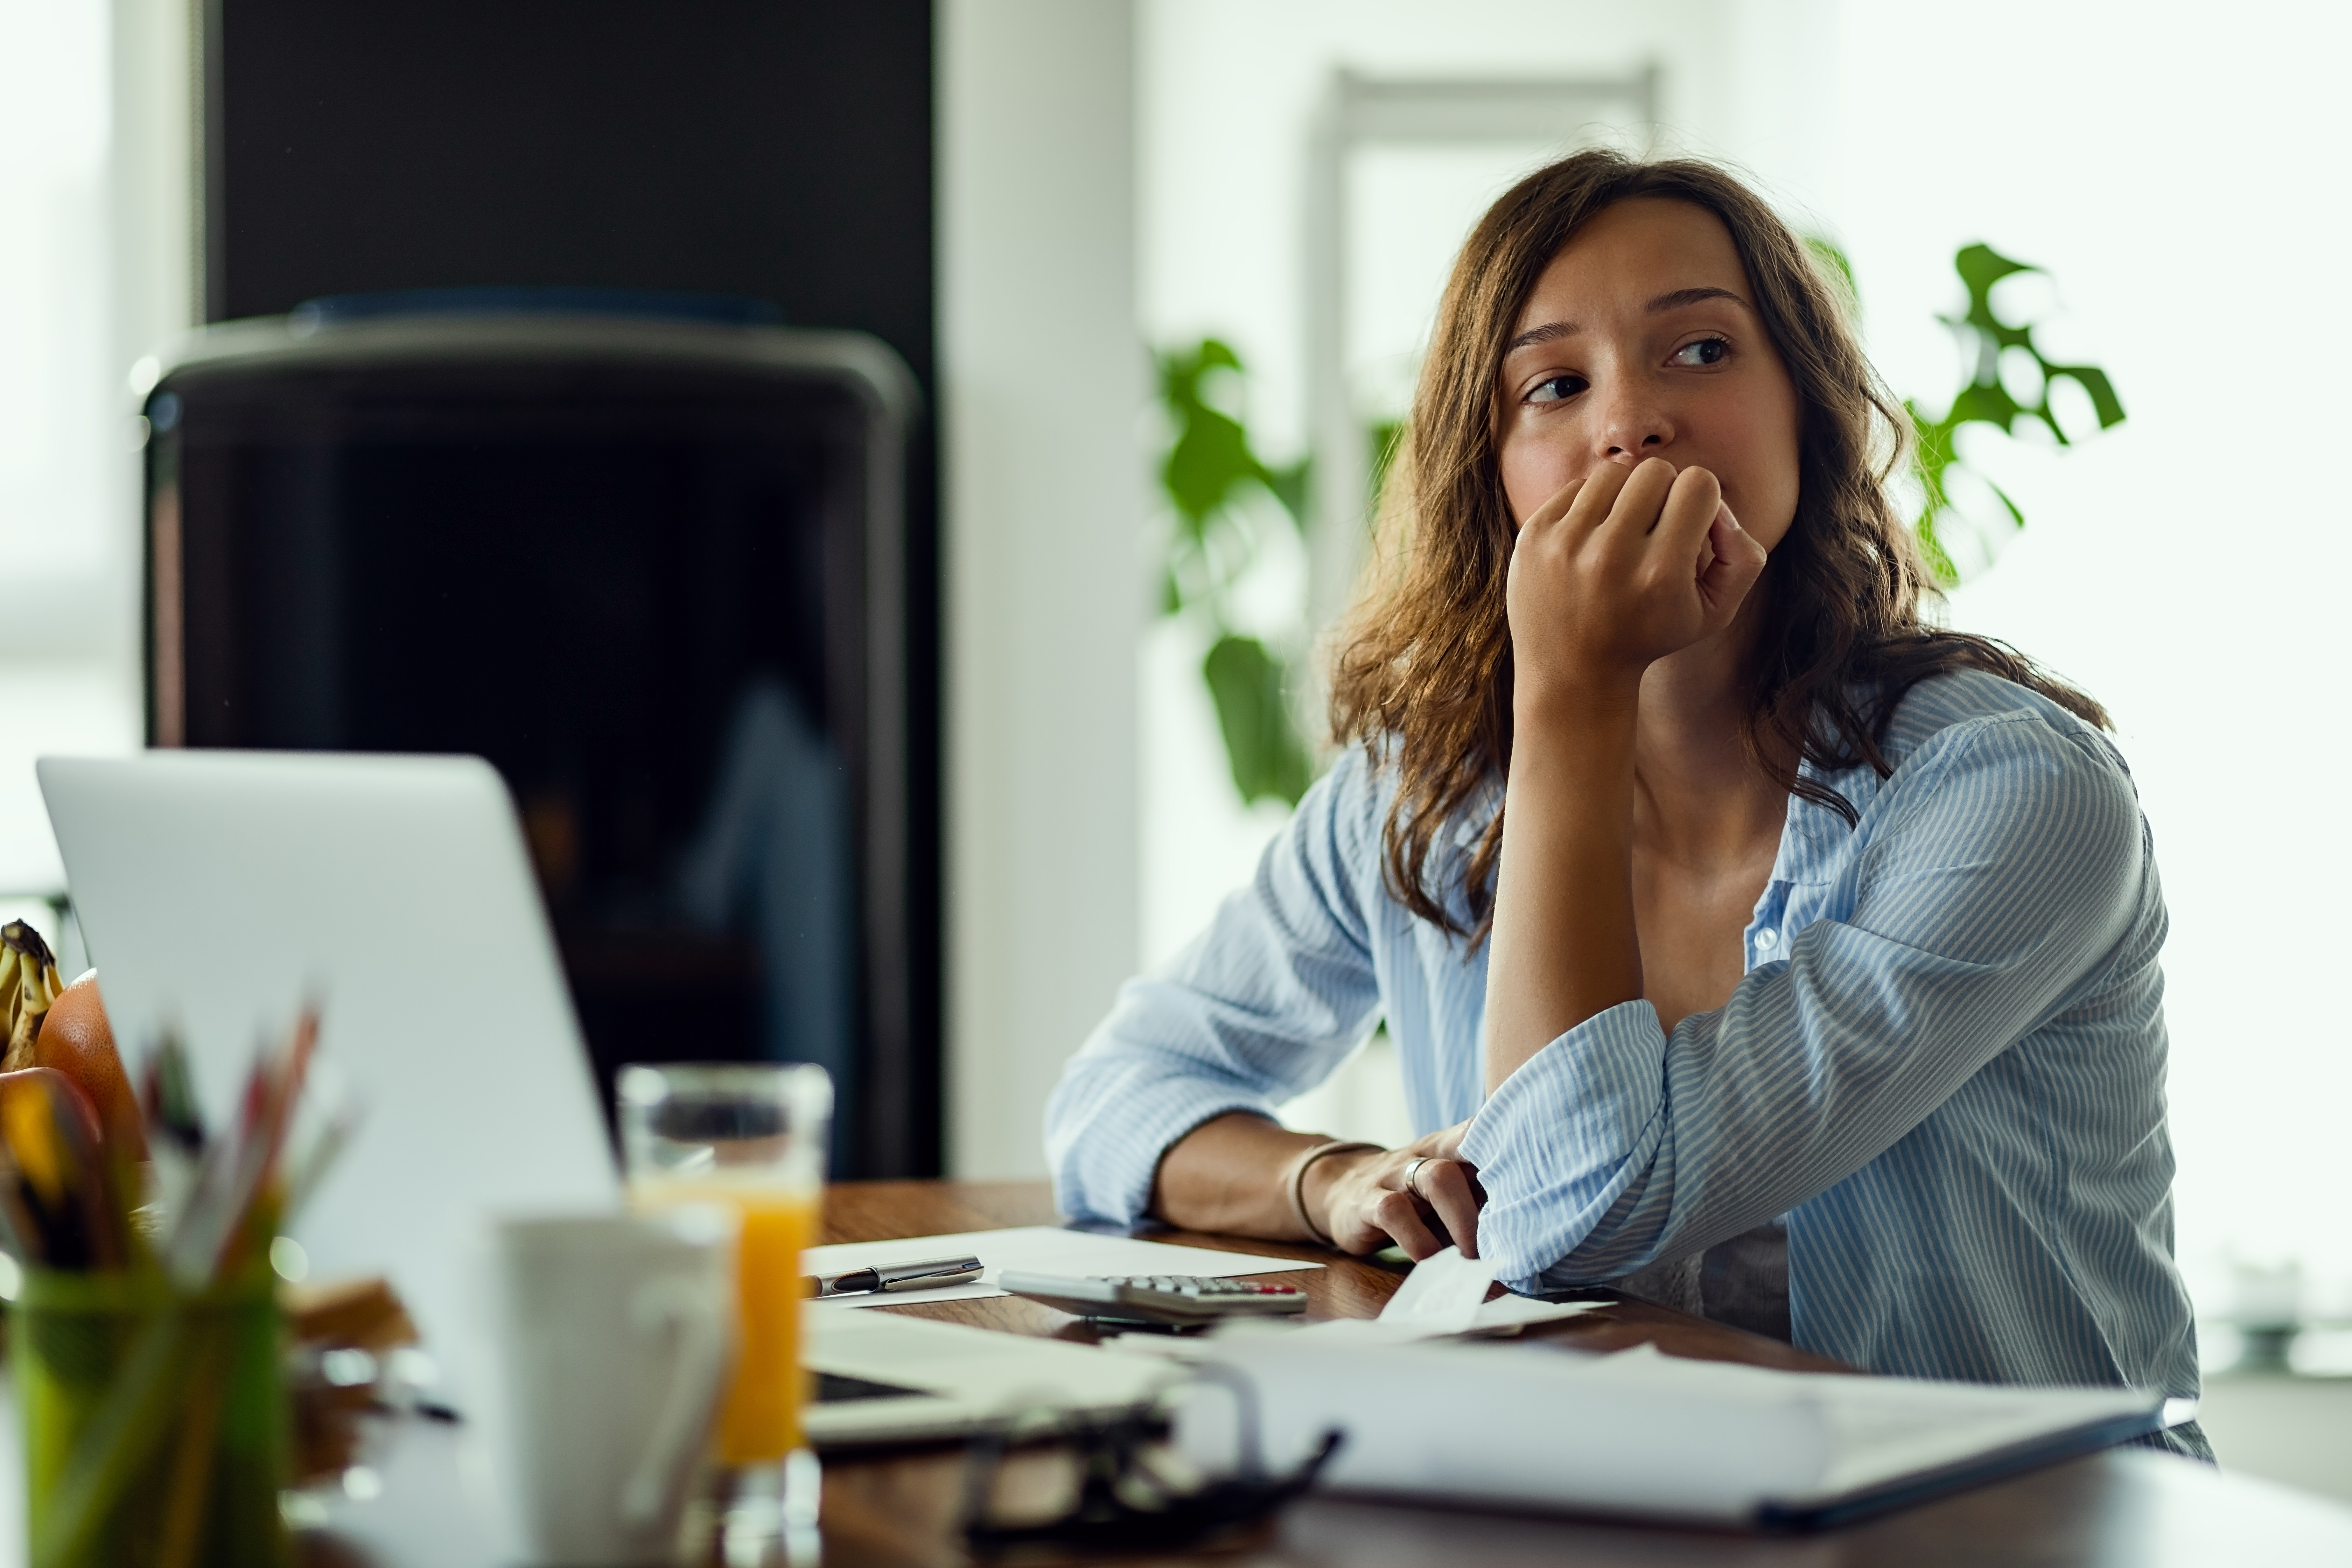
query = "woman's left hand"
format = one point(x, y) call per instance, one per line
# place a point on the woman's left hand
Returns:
point(1422, 1196)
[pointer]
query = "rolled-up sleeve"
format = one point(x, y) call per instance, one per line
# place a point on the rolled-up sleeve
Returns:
point(1262, 1005)
point(1997, 869)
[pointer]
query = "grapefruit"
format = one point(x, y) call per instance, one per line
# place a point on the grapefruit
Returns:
point(76, 1040)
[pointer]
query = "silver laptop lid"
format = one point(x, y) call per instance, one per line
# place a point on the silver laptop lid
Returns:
point(219, 890)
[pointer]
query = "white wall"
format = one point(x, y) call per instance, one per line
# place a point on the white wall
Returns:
point(155, 206)
point(1043, 381)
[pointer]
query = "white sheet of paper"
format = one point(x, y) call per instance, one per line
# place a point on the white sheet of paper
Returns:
point(1502, 1315)
point(1030, 1250)
point(1443, 1293)
point(1526, 1312)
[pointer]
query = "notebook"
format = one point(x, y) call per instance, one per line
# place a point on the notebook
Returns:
point(1638, 1433)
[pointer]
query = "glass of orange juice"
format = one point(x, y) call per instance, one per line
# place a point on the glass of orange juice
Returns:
point(752, 1135)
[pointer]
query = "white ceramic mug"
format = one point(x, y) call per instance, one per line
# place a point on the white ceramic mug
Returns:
point(616, 1339)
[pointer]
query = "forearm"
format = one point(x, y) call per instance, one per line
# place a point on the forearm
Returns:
point(1565, 945)
point(1231, 1174)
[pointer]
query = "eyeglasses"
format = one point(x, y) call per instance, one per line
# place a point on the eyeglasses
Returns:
point(1127, 1494)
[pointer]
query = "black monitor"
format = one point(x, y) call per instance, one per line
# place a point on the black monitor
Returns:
point(646, 561)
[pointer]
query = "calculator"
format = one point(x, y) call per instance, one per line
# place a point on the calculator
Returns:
point(1166, 1300)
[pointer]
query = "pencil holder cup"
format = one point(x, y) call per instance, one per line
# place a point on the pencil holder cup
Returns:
point(154, 1422)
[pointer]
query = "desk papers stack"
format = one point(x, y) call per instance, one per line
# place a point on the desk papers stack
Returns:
point(1635, 1434)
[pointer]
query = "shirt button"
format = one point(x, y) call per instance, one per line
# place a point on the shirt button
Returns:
point(1767, 938)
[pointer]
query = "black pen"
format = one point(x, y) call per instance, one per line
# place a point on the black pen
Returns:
point(883, 1276)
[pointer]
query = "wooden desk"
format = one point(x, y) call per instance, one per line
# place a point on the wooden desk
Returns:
point(2123, 1507)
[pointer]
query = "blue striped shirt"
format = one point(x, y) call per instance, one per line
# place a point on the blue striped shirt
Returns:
point(1944, 1065)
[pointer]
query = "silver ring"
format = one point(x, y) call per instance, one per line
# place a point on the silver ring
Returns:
point(1413, 1175)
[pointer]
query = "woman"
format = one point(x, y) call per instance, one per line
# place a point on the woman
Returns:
point(1747, 941)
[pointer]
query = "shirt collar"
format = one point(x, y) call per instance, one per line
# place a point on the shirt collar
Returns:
point(1814, 840)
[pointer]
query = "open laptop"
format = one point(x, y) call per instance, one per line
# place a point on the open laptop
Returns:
point(218, 890)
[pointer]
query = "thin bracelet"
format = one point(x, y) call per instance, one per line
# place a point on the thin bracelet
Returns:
point(1298, 1183)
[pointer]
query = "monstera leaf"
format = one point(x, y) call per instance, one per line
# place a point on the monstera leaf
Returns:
point(1262, 742)
point(1209, 463)
point(1209, 473)
point(1984, 400)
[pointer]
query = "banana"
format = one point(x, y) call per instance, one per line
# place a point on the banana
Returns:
point(29, 983)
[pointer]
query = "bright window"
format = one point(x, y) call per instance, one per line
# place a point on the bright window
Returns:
point(67, 587)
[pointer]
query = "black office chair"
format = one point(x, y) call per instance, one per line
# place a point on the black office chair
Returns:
point(643, 554)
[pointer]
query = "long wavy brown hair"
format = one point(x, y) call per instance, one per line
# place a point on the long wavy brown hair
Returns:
point(1422, 674)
